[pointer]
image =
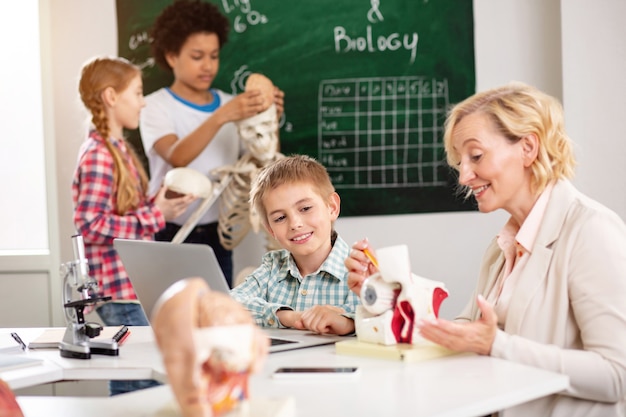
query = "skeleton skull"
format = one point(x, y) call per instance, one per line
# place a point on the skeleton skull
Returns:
point(260, 134)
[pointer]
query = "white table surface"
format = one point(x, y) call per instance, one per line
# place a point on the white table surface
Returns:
point(461, 385)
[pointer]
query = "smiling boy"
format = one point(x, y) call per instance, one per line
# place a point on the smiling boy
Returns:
point(303, 285)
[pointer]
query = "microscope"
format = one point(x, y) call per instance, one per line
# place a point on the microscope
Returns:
point(77, 341)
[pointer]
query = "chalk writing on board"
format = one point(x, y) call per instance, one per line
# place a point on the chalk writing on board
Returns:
point(345, 42)
point(248, 16)
point(398, 61)
point(373, 14)
point(375, 43)
point(382, 131)
point(138, 40)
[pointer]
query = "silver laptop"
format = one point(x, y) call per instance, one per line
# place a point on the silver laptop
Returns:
point(153, 266)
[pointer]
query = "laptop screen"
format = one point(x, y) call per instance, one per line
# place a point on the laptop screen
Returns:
point(153, 266)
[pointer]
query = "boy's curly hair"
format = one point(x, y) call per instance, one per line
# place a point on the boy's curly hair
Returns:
point(180, 20)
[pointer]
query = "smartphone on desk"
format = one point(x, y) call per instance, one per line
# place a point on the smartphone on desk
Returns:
point(318, 372)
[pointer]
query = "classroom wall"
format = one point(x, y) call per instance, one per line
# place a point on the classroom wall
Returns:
point(569, 48)
point(594, 96)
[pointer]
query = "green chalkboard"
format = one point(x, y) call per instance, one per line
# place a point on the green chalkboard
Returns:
point(367, 85)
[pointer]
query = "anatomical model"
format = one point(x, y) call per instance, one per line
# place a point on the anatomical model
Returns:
point(209, 345)
point(394, 300)
point(260, 136)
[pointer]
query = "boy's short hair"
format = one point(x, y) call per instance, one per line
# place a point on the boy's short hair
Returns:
point(287, 170)
point(180, 20)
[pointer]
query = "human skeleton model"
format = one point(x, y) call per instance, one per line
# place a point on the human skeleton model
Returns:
point(260, 136)
point(209, 345)
point(394, 300)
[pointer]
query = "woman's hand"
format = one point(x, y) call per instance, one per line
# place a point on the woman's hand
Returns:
point(359, 266)
point(476, 337)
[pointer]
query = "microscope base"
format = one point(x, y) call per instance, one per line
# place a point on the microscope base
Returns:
point(76, 352)
point(107, 347)
point(77, 345)
point(71, 351)
point(108, 352)
point(74, 355)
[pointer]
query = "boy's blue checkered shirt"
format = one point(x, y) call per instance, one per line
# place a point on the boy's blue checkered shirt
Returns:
point(277, 283)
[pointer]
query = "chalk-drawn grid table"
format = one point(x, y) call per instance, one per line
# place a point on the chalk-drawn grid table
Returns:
point(383, 131)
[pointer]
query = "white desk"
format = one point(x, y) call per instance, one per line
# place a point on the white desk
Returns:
point(138, 359)
point(462, 385)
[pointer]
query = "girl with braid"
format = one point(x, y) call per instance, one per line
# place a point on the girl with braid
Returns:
point(109, 189)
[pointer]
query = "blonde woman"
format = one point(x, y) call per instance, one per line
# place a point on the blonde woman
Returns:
point(552, 284)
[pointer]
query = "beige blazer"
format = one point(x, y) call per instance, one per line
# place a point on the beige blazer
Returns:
point(567, 313)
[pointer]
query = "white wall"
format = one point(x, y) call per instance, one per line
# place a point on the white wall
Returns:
point(594, 95)
point(24, 221)
point(515, 40)
point(79, 30)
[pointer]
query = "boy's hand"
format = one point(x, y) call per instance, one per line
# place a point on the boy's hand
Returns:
point(279, 101)
point(242, 106)
point(291, 318)
point(326, 319)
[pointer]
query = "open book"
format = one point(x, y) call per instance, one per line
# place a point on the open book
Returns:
point(51, 338)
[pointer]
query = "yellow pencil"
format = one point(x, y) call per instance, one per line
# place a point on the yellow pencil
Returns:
point(370, 257)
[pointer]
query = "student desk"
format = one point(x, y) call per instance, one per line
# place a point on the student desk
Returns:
point(461, 385)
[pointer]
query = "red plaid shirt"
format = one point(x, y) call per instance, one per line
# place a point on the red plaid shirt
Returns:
point(94, 196)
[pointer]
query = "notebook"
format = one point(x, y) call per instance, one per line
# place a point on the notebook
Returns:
point(11, 362)
point(153, 266)
point(50, 338)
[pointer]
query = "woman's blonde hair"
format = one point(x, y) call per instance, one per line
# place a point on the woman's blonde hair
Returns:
point(96, 76)
point(518, 110)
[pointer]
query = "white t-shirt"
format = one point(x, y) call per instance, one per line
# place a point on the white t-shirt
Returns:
point(164, 114)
